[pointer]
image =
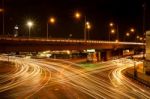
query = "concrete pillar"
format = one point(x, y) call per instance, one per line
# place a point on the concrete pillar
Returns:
point(108, 54)
point(98, 54)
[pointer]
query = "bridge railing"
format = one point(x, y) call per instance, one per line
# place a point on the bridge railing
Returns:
point(69, 40)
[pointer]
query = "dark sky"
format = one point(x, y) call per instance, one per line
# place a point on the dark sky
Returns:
point(124, 13)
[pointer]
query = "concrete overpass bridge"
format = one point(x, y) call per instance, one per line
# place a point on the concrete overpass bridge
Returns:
point(8, 44)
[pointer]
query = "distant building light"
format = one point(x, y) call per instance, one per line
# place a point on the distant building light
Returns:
point(91, 50)
point(16, 27)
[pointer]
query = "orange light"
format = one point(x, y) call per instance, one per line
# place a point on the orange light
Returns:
point(89, 27)
point(29, 23)
point(127, 34)
point(77, 15)
point(113, 31)
point(132, 29)
point(137, 37)
point(52, 20)
point(141, 38)
point(1, 10)
point(117, 40)
point(111, 24)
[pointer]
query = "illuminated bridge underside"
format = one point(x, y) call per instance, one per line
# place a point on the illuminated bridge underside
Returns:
point(23, 44)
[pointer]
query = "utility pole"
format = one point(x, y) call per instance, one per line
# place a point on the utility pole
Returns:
point(144, 33)
point(85, 29)
point(3, 17)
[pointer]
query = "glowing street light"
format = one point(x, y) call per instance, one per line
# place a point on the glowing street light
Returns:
point(137, 37)
point(111, 24)
point(51, 20)
point(88, 27)
point(77, 15)
point(132, 30)
point(1, 10)
point(87, 23)
point(113, 31)
point(116, 40)
point(127, 34)
point(29, 24)
point(141, 38)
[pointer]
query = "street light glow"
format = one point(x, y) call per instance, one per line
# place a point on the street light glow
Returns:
point(137, 37)
point(77, 15)
point(132, 29)
point(52, 20)
point(127, 34)
point(111, 24)
point(113, 31)
point(116, 40)
point(89, 27)
point(30, 24)
point(141, 38)
point(87, 23)
point(1, 10)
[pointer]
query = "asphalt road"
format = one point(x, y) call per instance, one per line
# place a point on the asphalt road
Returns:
point(58, 79)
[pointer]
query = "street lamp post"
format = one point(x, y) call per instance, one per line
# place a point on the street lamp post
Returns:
point(29, 24)
point(144, 34)
point(52, 21)
point(85, 28)
point(86, 24)
point(88, 27)
point(3, 17)
point(112, 31)
point(135, 70)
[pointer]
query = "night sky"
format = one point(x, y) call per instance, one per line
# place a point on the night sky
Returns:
point(124, 13)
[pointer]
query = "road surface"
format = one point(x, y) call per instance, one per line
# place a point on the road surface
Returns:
point(58, 79)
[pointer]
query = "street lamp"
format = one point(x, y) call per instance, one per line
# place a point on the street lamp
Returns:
point(141, 38)
point(127, 34)
point(1, 10)
point(78, 16)
point(112, 30)
point(132, 30)
point(3, 17)
point(137, 38)
point(29, 24)
point(88, 27)
point(111, 24)
point(51, 20)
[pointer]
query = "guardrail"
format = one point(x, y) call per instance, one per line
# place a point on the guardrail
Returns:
point(71, 41)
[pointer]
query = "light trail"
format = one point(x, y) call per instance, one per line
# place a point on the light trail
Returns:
point(32, 78)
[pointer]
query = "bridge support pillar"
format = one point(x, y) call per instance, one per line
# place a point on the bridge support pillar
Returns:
point(98, 55)
point(106, 55)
